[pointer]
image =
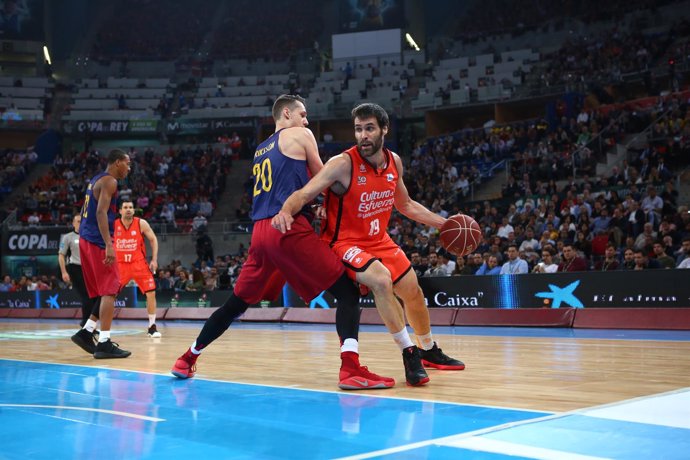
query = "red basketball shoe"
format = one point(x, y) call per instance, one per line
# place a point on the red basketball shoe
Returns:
point(185, 366)
point(354, 376)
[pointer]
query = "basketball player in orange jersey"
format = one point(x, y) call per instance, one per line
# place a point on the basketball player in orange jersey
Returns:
point(281, 165)
point(364, 183)
point(130, 252)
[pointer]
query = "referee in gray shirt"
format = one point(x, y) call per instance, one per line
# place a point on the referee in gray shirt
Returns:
point(70, 266)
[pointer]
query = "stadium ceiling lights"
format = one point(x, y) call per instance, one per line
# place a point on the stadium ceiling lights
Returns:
point(46, 54)
point(411, 41)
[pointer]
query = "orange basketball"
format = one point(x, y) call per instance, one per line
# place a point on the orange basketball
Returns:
point(460, 234)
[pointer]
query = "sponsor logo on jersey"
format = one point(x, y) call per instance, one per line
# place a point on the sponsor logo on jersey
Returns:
point(351, 253)
point(361, 180)
point(389, 177)
point(362, 168)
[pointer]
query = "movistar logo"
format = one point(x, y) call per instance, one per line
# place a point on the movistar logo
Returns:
point(562, 295)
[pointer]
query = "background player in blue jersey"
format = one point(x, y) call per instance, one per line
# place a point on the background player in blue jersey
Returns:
point(98, 253)
point(299, 257)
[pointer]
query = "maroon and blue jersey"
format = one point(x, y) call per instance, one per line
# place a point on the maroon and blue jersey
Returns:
point(88, 230)
point(276, 176)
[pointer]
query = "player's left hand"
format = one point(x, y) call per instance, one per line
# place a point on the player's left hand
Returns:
point(109, 255)
point(153, 265)
point(282, 221)
point(320, 212)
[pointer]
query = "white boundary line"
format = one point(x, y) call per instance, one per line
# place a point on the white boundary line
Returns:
point(86, 409)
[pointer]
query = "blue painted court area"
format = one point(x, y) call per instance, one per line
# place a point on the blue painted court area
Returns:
point(57, 411)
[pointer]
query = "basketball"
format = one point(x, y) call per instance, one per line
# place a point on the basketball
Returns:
point(460, 234)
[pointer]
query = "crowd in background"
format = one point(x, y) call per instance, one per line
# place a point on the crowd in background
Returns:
point(174, 186)
point(555, 213)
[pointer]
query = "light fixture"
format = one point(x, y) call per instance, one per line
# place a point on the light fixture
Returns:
point(411, 41)
point(46, 54)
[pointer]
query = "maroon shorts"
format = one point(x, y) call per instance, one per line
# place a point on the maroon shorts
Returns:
point(100, 279)
point(298, 257)
point(140, 273)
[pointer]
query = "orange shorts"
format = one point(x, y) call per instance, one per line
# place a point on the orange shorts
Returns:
point(357, 257)
point(140, 273)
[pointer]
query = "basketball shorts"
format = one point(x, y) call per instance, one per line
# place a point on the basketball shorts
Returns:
point(357, 257)
point(140, 273)
point(297, 257)
point(100, 279)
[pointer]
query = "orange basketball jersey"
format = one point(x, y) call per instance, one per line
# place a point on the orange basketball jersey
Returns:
point(129, 242)
point(362, 213)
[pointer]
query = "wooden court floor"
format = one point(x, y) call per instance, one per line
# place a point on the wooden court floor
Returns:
point(555, 371)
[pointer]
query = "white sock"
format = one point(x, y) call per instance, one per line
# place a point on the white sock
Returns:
point(403, 340)
point(152, 320)
point(350, 345)
point(104, 337)
point(194, 350)
point(426, 342)
point(90, 325)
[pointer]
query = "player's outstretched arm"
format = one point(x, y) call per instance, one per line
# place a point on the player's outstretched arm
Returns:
point(334, 170)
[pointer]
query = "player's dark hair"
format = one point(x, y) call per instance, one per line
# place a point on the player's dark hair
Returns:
point(122, 202)
point(369, 109)
point(285, 100)
point(115, 155)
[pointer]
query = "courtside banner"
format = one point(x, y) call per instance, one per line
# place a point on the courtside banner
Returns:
point(641, 289)
point(64, 298)
point(32, 241)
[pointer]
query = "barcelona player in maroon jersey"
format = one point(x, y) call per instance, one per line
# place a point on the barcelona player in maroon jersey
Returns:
point(281, 165)
point(98, 254)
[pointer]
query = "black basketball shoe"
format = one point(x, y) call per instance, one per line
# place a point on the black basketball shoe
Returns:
point(415, 374)
point(439, 360)
point(109, 349)
point(85, 340)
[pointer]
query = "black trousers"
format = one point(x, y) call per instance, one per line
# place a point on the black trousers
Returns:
point(88, 305)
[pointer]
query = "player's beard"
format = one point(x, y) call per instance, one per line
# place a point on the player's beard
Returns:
point(369, 151)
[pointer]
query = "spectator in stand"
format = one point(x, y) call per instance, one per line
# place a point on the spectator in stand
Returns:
point(646, 238)
point(515, 264)
point(529, 245)
point(644, 263)
point(205, 207)
point(164, 281)
point(474, 261)
point(447, 263)
point(652, 204)
point(546, 265)
point(609, 262)
point(571, 262)
point(7, 285)
point(416, 261)
point(435, 267)
point(489, 267)
point(663, 259)
point(199, 223)
point(684, 251)
point(183, 282)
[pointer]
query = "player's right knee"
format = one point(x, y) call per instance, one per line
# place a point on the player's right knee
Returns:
point(379, 280)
